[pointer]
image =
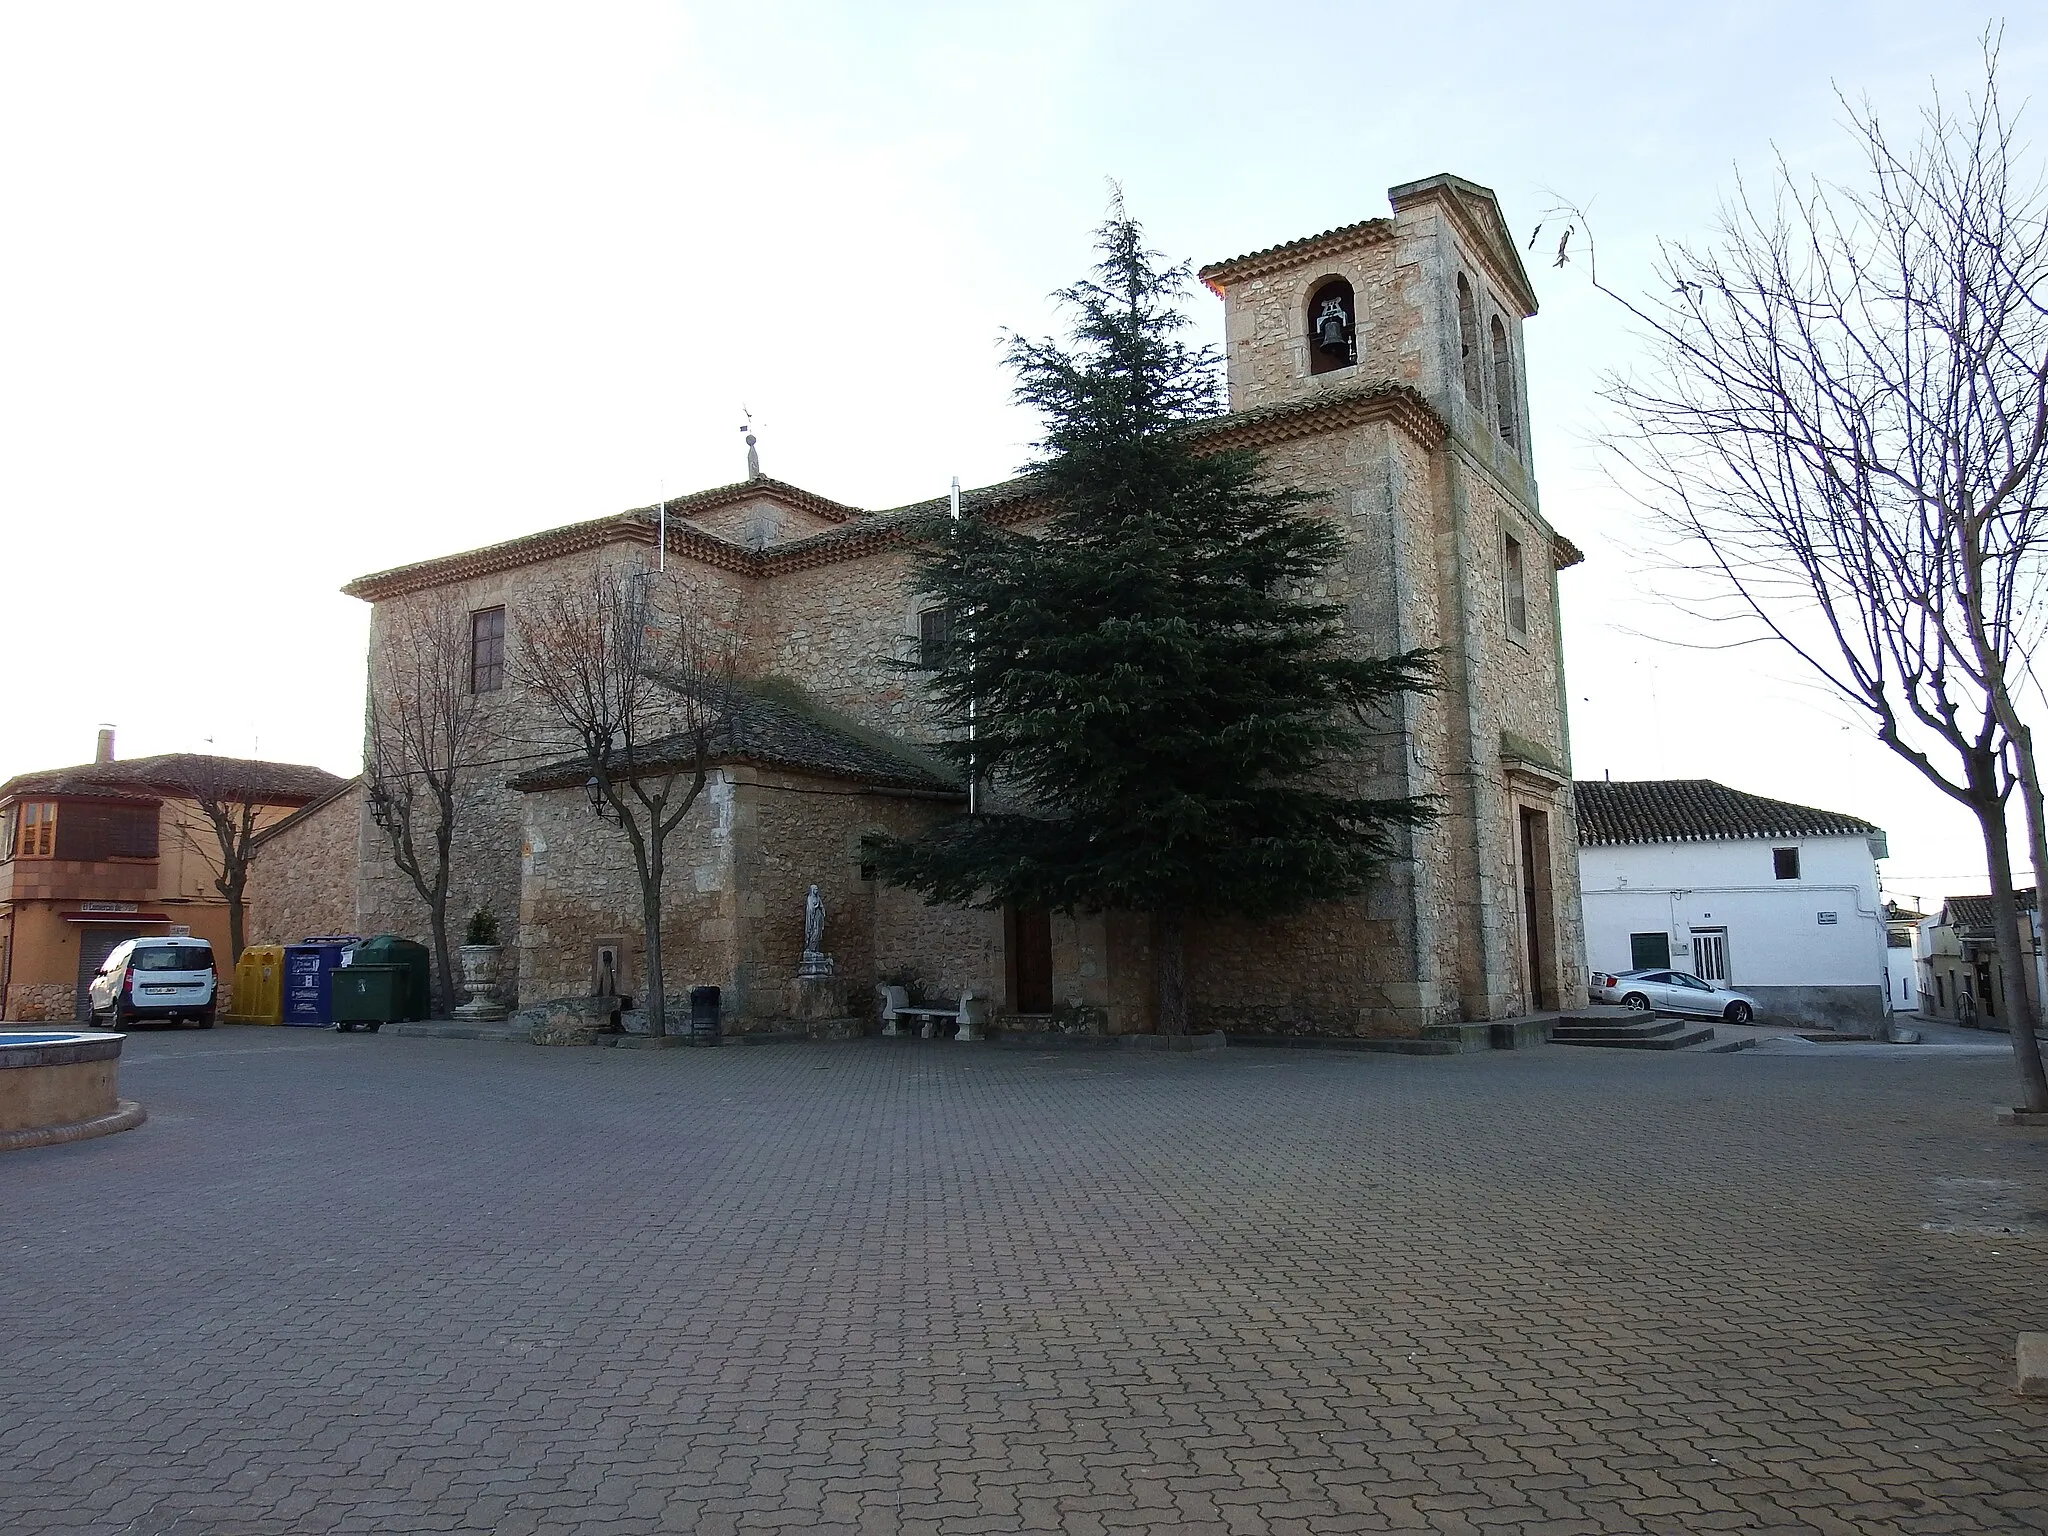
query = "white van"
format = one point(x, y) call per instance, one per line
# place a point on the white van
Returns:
point(162, 979)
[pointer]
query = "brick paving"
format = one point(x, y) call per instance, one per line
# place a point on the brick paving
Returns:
point(356, 1284)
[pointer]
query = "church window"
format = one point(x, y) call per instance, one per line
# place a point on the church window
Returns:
point(1332, 327)
point(1512, 584)
point(1503, 381)
point(934, 634)
point(487, 650)
point(1468, 339)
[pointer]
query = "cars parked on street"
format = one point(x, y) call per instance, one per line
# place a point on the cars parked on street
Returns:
point(1672, 992)
point(163, 980)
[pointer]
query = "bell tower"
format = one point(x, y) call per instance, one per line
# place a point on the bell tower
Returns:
point(1432, 297)
point(1380, 365)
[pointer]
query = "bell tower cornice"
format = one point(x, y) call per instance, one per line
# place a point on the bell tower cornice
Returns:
point(1475, 212)
point(1280, 258)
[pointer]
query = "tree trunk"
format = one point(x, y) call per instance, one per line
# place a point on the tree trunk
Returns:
point(444, 975)
point(656, 1003)
point(2037, 851)
point(1171, 963)
point(2019, 1018)
point(236, 918)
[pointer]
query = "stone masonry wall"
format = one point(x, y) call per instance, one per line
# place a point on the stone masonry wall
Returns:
point(759, 523)
point(39, 1002)
point(841, 632)
point(580, 889)
point(303, 879)
point(519, 733)
point(793, 831)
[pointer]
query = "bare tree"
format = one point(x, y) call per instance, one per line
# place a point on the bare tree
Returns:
point(230, 802)
point(637, 670)
point(1845, 426)
point(428, 729)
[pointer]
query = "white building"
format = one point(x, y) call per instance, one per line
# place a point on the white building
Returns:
point(1903, 954)
point(1778, 900)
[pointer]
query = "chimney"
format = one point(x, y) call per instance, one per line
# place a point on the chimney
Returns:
point(105, 751)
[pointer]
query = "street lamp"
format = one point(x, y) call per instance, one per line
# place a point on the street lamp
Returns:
point(595, 790)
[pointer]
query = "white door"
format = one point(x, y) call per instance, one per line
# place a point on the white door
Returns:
point(1710, 955)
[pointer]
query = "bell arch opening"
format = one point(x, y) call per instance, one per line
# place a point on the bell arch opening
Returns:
point(1332, 327)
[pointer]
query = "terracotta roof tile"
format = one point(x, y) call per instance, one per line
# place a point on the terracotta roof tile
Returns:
point(1970, 916)
point(778, 732)
point(173, 774)
point(1696, 810)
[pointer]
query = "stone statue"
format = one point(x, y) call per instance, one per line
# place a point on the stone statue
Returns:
point(815, 961)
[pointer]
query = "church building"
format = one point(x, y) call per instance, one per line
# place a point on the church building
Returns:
point(1379, 366)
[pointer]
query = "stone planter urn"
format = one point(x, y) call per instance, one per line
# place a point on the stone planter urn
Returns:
point(480, 981)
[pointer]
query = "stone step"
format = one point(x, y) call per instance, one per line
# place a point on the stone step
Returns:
point(1573, 1030)
point(1671, 1037)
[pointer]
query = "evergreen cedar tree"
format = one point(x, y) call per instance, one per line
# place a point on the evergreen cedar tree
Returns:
point(1146, 681)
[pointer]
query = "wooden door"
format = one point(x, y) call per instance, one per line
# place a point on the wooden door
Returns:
point(1031, 960)
point(1536, 914)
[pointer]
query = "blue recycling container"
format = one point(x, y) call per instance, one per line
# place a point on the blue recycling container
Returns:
point(309, 978)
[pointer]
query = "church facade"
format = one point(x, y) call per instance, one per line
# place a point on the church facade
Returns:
point(1378, 366)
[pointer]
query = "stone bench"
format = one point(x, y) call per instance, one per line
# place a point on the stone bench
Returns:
point(970, 1013)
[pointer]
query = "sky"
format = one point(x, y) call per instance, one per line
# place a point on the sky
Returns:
point(289, 294)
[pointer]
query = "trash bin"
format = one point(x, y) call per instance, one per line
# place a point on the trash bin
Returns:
point(309, 969)
point(704, 1024)
point(415, 998)
point(259, 986)
point(369, 995)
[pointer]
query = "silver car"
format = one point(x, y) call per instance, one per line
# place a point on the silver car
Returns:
point(1671, 992)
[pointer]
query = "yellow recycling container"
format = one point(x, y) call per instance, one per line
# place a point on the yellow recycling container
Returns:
point(259, 986)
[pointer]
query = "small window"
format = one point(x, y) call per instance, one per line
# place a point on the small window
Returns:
point(1648, 951)
point(487, 650)
point(1512, 588)
point(1468, 340)
point(35, 832)
point(1785, 863)
point(1332, 327)
point(934, 636)
point(1503, 381)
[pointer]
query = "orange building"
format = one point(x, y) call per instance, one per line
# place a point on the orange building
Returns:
point(107, 851)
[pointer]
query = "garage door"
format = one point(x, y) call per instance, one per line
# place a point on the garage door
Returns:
point(96, 941)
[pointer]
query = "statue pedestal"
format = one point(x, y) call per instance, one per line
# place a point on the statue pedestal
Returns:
point(816, 998)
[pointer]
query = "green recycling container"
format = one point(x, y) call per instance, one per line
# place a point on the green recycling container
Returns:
point(406, 994)
point(369, 994)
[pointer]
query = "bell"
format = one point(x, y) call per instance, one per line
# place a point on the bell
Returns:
point(1333, 329)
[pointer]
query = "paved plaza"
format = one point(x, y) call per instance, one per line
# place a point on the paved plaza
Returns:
point(366, 1284)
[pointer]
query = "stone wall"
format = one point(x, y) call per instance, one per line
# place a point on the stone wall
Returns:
point(758, 522)
point(842, 632)
point(580, 890)
point(303, 878)
point(39, 1002)
point(738, 870)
